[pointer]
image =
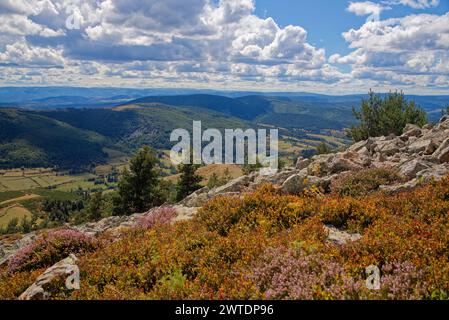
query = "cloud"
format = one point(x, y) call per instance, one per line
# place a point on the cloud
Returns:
point(212, 43)
point(412, 49)
point(366, 8)
point(22, 54)
point(418, 4)
point(171, 39)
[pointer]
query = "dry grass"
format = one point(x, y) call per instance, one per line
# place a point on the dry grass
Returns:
point(15, 211)
point(206, 172)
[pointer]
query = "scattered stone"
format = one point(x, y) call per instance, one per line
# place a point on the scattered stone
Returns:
point(63, 269)
point(340, 237)
point(412, 130)
point(419, 145)
point(442, 153)
point(303, 163)
point(411, 168)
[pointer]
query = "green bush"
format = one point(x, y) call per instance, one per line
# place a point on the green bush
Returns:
point(383, 116)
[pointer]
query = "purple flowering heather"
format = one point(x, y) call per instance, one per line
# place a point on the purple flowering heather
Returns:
point(50, 248)
point(289, 275)
point(403, 280)
point(159, 216)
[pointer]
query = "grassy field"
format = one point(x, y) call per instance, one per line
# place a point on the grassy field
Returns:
point(206, 172)
point(29, 179)
point(17, 179)
point(14, 211)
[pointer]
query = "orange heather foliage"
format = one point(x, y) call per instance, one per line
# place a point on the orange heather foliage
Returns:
point(266, 245)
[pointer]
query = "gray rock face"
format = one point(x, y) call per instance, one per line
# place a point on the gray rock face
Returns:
point(340, 237)
point(411, 168)
point(442, 153)
point(295, 184)
point(411, 130)
point(301, 181)
point(302, 163)
point(419, 146)
point(64, 269)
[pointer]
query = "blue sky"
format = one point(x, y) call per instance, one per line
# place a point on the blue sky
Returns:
point(326, 20)
point(325, 46)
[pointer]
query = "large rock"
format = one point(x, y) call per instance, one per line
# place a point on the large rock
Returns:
point(64, 269)
point(301, 181)
point(420, 146)
point(436, 172)
point(196, 199)
point(410, 169)
point(276, 179)
point(235, 185)
point(303, 163)
point(320, 165)
point(400, 187)
point(444, 123)
point(185, 213)
point(360, 145)
point(340, 237)
point(389, 146)
point(442, 153)
point(8, 248)
point(347, 161)
point(411, 130)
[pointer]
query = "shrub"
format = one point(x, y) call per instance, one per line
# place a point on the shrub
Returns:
point(51, 248)
point(292, 275)
point(163, 215)
point(360, 183)
point(380, 116)
point(269, 245)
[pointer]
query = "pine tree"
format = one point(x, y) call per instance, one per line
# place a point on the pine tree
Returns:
point(383, 116)
point(138, 188)
point(189, 181)
point(95, 206)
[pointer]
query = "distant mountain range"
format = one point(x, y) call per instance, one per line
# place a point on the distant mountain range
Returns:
point(71, 127)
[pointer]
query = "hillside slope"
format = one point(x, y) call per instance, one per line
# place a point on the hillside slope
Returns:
point(29, 140)
point(307, 232)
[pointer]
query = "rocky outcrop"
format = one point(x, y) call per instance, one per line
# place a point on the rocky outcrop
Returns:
point(65, 270)
point(419, 154)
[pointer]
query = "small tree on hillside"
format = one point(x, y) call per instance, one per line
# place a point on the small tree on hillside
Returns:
point(138, 188)
point(189, 181)
point(95, 206)
point(382, 116)
point(322, 148)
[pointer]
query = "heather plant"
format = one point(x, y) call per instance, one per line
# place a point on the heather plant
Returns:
point(162, 215)
point(267, 245)
point(361, 183)
point(402, 281)
point(293, 275)
point(50, 248)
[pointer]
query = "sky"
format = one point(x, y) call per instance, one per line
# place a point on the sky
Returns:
point(323, 46)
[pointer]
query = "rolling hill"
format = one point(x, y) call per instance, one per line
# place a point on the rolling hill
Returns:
point(32, 140)
point(76, 137)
